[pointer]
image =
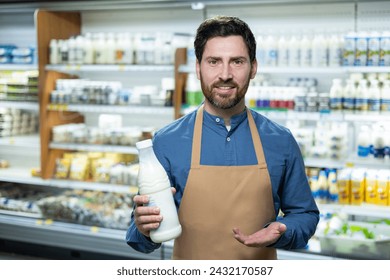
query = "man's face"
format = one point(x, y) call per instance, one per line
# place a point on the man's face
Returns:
point(225, 71)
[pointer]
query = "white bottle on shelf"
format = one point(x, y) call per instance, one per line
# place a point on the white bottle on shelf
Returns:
point(88, 57)
point(374, 93)
point(110, 48)
point(385, 96)
point(283, 51)
point(320, 51)
point(294, 59)
point(335, 50)
point(153, 181)
point(362, 96)
point(271, 51)
point(349, 95)
point(336, 95)
point(364, 141)
point(54, 51)
point(306, 51)
point(100, 49)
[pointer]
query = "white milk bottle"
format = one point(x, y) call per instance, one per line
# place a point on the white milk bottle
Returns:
point(336, 95)
point(153, 181)
point(374, 101)
point(88, 49)
point(320, 51)
point(294, 59)
point(385, 96)
point(271, 51)
point(335, 50)
point(306, 51)
point(349, 95)
point(283, 51)
point(54, 53)
point(362, 96)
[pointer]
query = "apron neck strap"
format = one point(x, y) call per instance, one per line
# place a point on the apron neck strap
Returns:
point(197, 140)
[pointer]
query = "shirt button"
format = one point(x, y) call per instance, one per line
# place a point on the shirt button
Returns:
point(217, 119)
point(228, 139)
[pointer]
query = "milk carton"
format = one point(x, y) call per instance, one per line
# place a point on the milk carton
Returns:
point(358, 181)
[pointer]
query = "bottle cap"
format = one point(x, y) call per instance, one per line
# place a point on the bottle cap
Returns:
point(144, 144)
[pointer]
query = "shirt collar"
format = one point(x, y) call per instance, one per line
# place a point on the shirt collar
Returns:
point(234, 121)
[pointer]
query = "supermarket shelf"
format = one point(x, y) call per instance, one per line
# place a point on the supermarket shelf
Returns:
point(30, 141)
point(15, 67)
point(312, 70)
point(23, 176)
point(112, 109)
point(74, 68)
point(353, 161)
point(366, 210)
point(70, 236)
point(22, 105)
point(94, 148)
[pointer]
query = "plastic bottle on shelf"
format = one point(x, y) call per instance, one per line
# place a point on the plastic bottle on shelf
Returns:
point(88, 57)
point(374, 93)
point(54, 51)
point(79, 50)
point(349, 95)
point(335, 50)
point(384, 57)
point(332, 184)
point(294, 46)
point(271, 51)
point(373, 48)
point(361, 49)
point(336, 95)
point(71, 50)
point(364, 141)
point(306, 50)
point(99, 46)
point(154, 182)
point(362, 96)
point(64, 51)
point(320, 51)
point(323, 187)
point(385, 96)
point(110, 48)
point(283, 51)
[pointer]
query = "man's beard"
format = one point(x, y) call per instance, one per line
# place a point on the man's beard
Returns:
point(223, 102)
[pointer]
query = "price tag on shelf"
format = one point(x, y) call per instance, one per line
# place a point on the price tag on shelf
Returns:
point(94, 229)
point(48, 222)
point(121, 67)
point(39, 222)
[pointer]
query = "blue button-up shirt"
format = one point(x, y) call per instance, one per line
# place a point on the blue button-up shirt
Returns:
point(293, 202)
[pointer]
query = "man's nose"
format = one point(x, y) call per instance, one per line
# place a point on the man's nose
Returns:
point(226, 72)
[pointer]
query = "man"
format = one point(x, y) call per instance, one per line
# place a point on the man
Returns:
point(239, 179)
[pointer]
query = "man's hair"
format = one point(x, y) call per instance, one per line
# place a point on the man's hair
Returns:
point(223, 26)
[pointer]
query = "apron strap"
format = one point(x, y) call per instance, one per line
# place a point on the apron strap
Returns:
point(197, 139)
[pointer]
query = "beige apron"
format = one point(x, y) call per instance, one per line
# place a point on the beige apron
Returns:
point(218, 198)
